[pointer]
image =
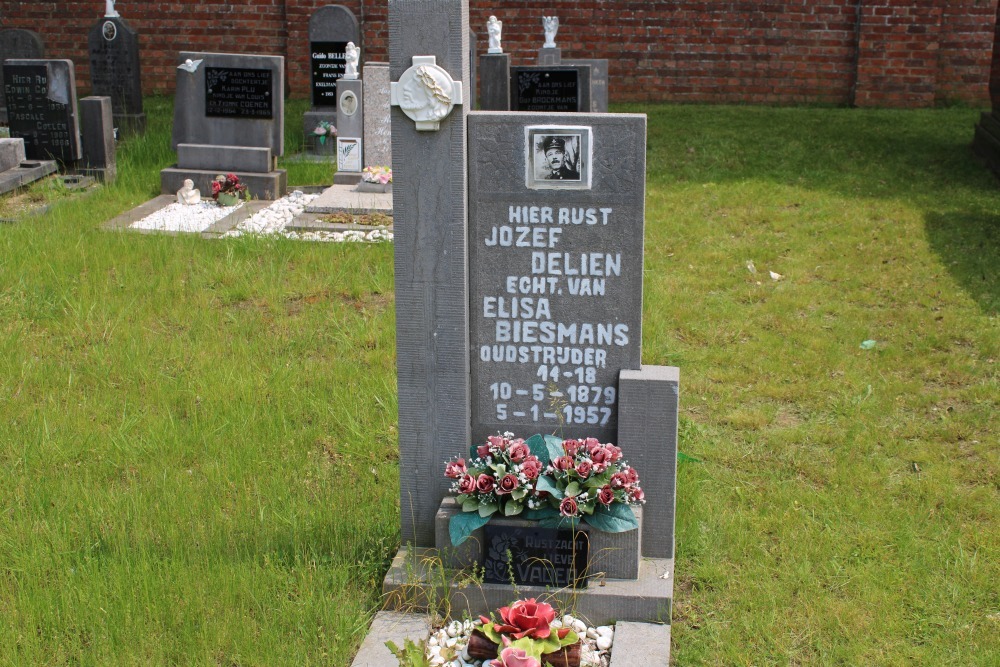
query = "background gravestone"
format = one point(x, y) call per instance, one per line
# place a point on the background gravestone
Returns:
point(564, 88)
point(378, 126)
point(229, 117)
point(598, 81)
point(41, 105)
point(330, 29)
point(556, 272)
point(115, 72)
point(18, 44)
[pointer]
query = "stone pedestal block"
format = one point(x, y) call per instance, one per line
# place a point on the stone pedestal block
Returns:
point(11, 153)
point(225, 159)
point(97, 137)
point(271, 185)
point(494, 70)
point(549, 56)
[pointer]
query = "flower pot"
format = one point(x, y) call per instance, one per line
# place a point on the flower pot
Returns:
point(227, 199)
point(364, 186)
point(481, 647)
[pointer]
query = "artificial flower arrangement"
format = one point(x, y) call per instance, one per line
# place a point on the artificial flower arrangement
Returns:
point(528, 633)
point(227, 190)
point(555, 482)
point(323, 130)
point(380, 175)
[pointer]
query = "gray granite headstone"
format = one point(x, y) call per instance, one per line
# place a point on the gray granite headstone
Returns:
point(378, 123)
point(115, 72)
point(350, 130)
point(97, 137)
point(556, 256)
point(330, 29)
point(41, 105)
point(432, 305)
point(231, 100)
point(11, 153)
point(494, 68)
point(563, 88)
point(598, 81)
point(15, 44)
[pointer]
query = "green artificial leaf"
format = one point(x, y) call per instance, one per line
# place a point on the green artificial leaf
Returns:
point(519, 493)
point(533, 647)
point(560, 522)
point(512, 509)
point(573, 489)
point(540, 513)
point(462, 525)
point(491, 634)
point(461, 498)
point(616, 518)
point(554, 446)
point(473, 452)
point(470, 505)
point(570, 639)
point(545, 483)
point(486, 510)
point(322, 140)
point(536, 444)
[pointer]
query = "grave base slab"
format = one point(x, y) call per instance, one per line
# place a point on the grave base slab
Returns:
point(26, 173)
point(124, 221)
point(343, 199)
point(347, 178)
point(417, 576)
point(271, 185)
point(636, 644)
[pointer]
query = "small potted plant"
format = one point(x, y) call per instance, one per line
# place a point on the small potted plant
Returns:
point(375, 179)
point(323, 130)
point(227, 190)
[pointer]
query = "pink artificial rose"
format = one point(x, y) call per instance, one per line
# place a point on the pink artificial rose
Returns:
point(467, 485)
point(600, 456)
point(633, 476)
point(531, 467)
point(518, 451)
point(572, 446)
point(482, 451)
point(636, 494)
point(591, 444)
point(526, 618)
point(507, 484)
point(485, 483)
point(619, 480)
point(497, 442)
point(455, 469)
point(384, 178)
point(568, 507)
point(515, 657)
point(563, 463)
point(583, 469)
point(615, 451)
point(319, 131)
point(606, 495)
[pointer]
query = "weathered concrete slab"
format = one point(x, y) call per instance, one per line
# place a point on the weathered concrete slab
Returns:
point(390, 626)
point(124, 221)
point(641, 645)
point(25, 174)
point(254, 159)
point(414, 578)
point(343, 199)
point(271, 185)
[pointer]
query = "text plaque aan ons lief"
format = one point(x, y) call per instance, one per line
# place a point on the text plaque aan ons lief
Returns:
point(237, 92)
point(555, 271)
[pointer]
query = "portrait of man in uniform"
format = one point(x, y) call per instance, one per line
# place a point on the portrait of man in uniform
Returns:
point(558, 158)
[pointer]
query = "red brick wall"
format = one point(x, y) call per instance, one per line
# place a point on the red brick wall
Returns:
point(906, 53)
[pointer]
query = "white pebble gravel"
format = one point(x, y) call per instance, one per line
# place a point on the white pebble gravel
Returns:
point(274, 219)
point(185, 217)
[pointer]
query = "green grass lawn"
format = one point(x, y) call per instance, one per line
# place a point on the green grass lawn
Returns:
point(198, 443)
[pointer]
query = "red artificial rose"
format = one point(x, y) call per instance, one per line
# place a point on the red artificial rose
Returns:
point(568, 507)
point(583, 469)
point(526, 618)
point(572, 446)
point(496, 442)
point(591, 444)
point(482, 451)
point(615, 451)
point(507, 484)
point(600, 456)
point(619, 480)
point(485, 483)
point(467, 485)
point(518, 451)
point(633, 476)
point(455, 469)
point(636, 494)
point(606, 495)
point(563, 463)
point(531, 467)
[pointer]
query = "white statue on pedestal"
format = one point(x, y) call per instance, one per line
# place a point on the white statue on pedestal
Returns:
point(493, 28)
point(188, 194)
point(353, 54)
point(551, 26)
point(109, 10)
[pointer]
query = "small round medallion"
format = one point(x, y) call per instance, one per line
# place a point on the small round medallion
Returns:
point(110, 30)
point(348, 103)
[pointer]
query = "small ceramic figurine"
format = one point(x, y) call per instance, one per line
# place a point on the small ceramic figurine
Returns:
point(551, 26)
point(493, 28)
point(351, 68)
point(109, 10)
point(188, 194)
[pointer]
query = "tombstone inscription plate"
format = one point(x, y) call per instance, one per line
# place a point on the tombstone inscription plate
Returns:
point(237, 92)
point(328, 63)
point(555, 252)
point(41, 104)
point(534, 556)
point(550, 89)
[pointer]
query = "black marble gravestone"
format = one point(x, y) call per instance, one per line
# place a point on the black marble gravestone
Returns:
point(18, 44)
point(550, 89)
point(41, 105)
point(238, 92)
point(113, 48)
